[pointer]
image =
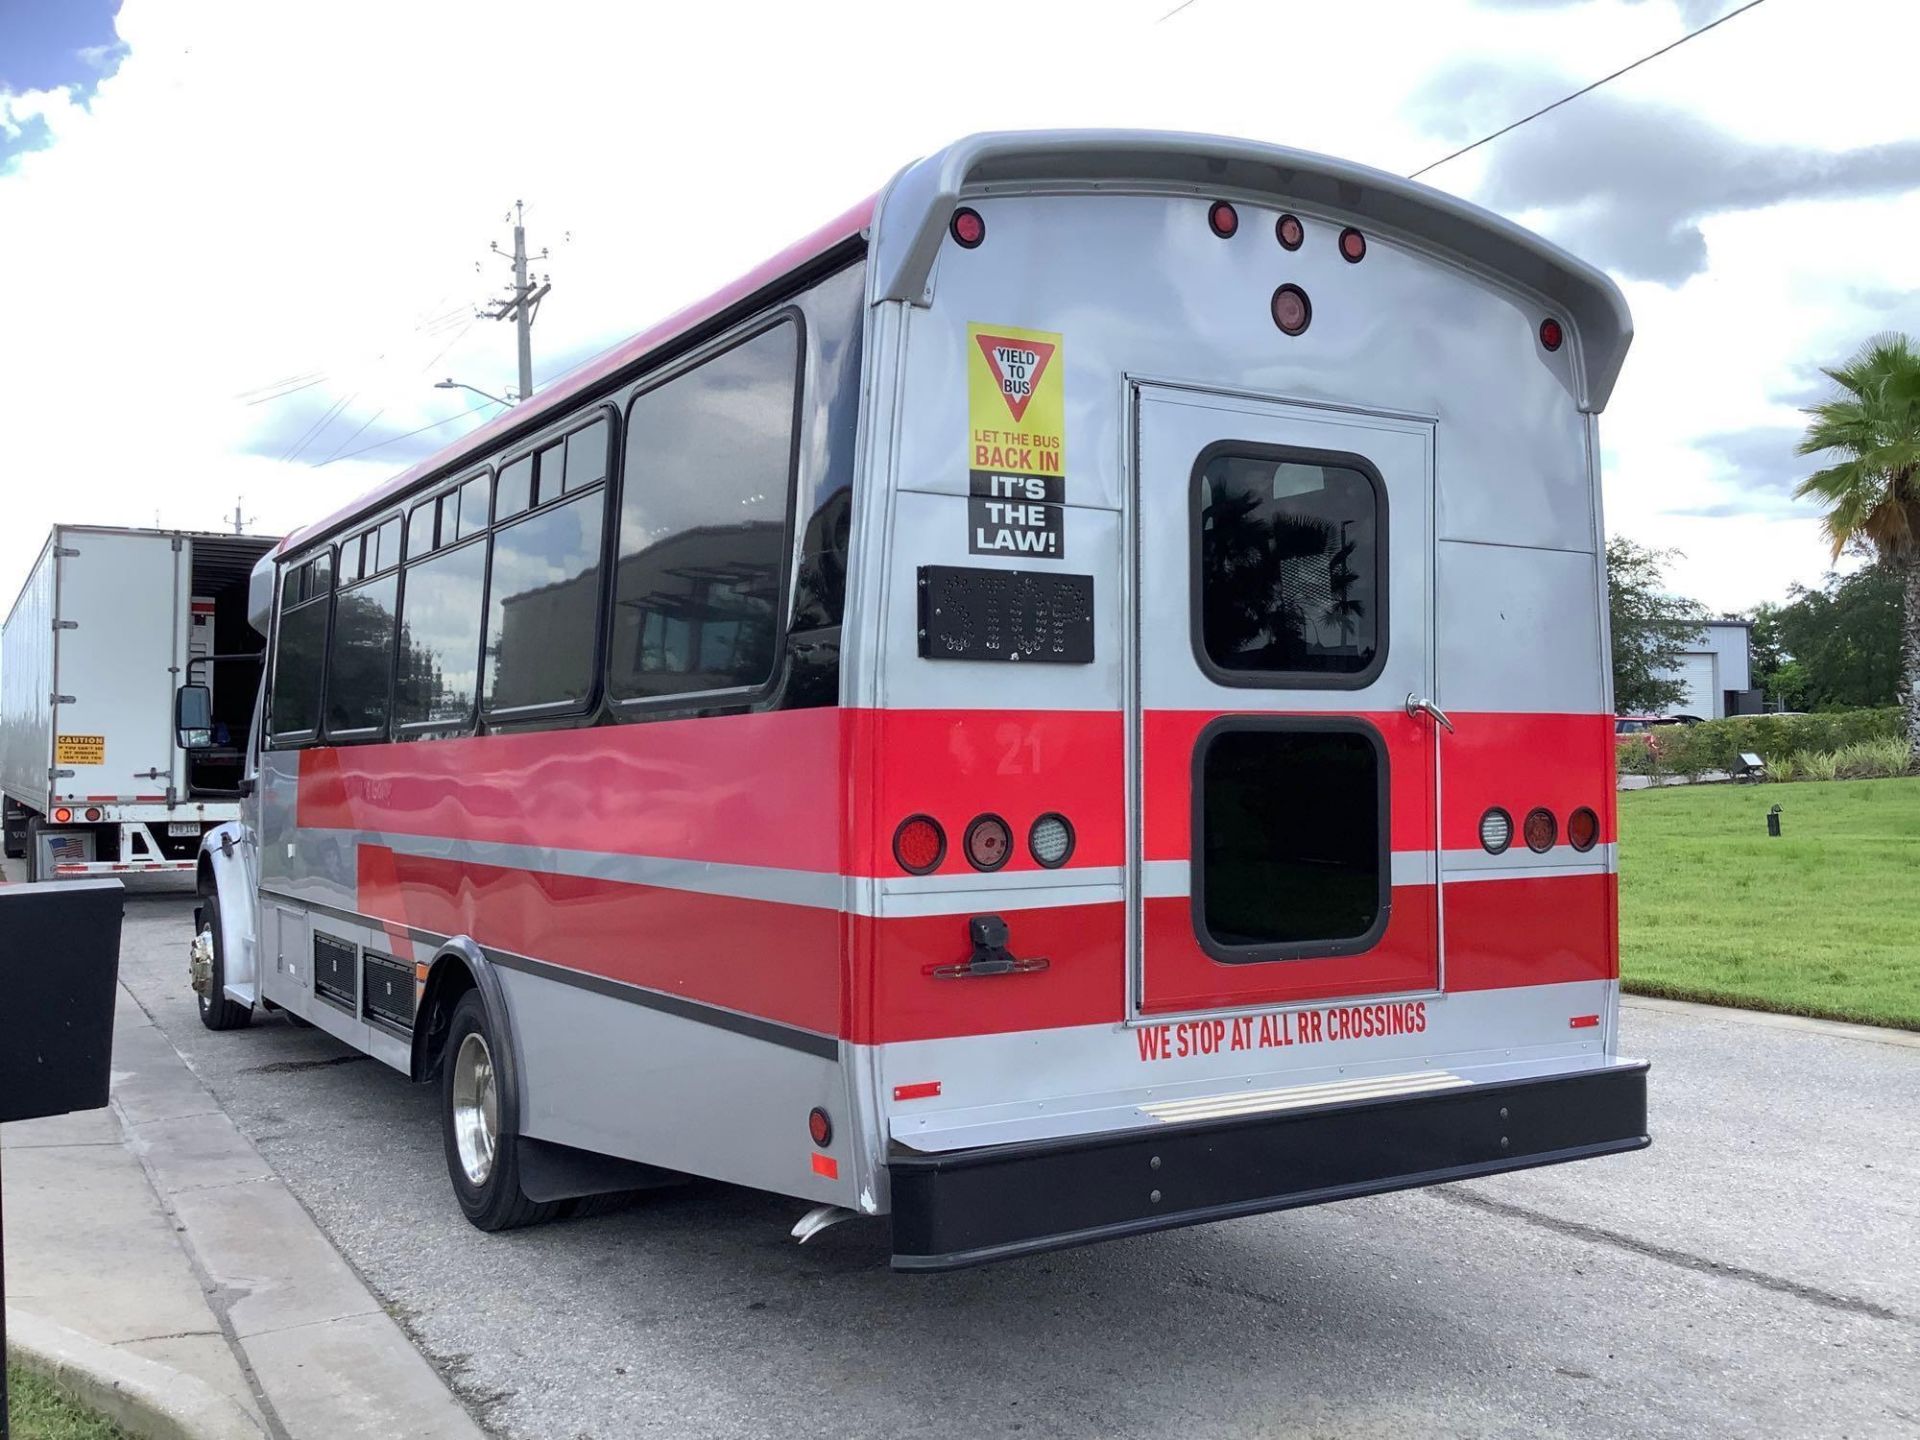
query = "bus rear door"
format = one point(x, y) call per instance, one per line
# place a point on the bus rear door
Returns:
point(1286, 746)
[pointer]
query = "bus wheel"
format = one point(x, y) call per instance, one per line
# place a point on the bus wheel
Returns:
point(481, 1126)
point(217, 1012)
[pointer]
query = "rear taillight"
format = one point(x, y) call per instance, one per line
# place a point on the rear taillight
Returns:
point(1551, 335)
point(1496, 830)
point(988, 844)
point(1051, 840)
point(62, 815)
point(93, 812)
point(1289, 232)
point(919, 845)
point(1223, 219)
point(1583, 829)
point(1541, 830)
point(1353, 246)
point(820, 1127)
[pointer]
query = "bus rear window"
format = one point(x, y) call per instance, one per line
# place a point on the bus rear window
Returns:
point(1289, 557)
point(1290, 842)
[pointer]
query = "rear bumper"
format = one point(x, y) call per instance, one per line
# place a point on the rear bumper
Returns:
point(967, 1207)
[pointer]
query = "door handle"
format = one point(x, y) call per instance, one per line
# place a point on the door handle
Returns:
point(1418, 705)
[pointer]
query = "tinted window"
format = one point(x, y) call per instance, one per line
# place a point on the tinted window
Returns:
point(420, 529)
point(1289, 579)
point(543, 607)
point(551, 481)
point(516, 488)
point(703, 524)
point(389, 538)
point(1291, 840)
point(440, 637)
point(586, 457)
point(298, 660)
point(473, 505)
point(360, 661)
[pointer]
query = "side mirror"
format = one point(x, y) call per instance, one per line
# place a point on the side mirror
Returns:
point(193, 717)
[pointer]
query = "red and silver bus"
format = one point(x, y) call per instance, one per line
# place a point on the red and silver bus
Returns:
point(1073, 701)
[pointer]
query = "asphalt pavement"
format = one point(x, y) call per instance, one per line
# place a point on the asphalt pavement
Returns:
point(1757, 1272)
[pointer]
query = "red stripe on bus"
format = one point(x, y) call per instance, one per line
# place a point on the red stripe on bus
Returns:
point(779, 962)
point(1182, 976)
point(1532, 930)
point(756, 789)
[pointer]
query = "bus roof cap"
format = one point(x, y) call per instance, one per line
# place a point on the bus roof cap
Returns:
point(912, 218)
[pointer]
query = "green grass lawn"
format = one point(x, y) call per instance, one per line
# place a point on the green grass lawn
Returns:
point(1823, 921)
point(40, 1412)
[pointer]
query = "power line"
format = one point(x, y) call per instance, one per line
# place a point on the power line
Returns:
point(1586, 89)
point(395, 440)
point(1175, 11)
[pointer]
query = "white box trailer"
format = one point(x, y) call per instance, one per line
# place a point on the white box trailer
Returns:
point(103, 632)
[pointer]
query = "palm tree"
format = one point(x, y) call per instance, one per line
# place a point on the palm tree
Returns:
point(1872, 491)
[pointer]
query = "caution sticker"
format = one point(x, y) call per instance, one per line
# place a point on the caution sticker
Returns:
point(1016, 443)
point(80, 750)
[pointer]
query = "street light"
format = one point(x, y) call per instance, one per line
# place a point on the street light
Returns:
point(452, 384)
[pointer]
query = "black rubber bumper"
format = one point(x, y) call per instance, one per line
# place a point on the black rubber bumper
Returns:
point(967, 1207)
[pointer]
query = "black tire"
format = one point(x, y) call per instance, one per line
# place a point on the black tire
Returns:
point(217, 1012)
point(495, 1201)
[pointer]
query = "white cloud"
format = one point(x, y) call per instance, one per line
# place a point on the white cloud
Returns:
point(264, 192)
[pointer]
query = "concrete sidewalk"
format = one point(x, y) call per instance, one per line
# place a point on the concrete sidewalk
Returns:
point(155, 1228)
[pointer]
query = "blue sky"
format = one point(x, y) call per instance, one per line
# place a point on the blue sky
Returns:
point(50, 45)
point(261, 230)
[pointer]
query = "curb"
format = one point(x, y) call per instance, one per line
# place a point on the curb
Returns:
point(142, 1397)
point(1775, 1020)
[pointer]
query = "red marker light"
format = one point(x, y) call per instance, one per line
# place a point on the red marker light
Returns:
point(1353, 246)
point(1583, 829)
point(820, 1127)
point(1289, 232)
point(919, 845)
point(1224, 219)
point(918, 1090)
point(1551, 334)
point(1292, 311)
point(93, 812)
point(968, 228)
point(1541, 830)
point(62, 815)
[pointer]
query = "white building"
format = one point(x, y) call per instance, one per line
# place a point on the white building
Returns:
point(1717, 670)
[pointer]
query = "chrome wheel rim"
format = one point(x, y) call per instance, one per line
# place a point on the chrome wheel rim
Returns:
point(476, 1108)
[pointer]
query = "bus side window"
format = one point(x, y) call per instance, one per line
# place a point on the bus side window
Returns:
point(300, 652)
point(440, 637)
point(706, 494)
point(360, 659)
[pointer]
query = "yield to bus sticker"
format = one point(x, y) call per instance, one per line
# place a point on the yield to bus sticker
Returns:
point(1016, 442)
point(80, 750)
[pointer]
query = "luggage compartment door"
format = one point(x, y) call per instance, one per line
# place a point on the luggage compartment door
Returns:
point(1285, 736)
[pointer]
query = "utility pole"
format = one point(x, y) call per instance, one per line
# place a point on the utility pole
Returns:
point(239, 520)
point(525, 296)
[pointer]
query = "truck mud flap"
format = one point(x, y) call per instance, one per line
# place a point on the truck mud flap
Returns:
point(967, 1207)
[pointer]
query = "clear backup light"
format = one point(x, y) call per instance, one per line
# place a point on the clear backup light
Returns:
point(1496, 830)
point(1051, 840)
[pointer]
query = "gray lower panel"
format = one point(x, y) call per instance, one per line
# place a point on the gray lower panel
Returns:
point(610, 1075)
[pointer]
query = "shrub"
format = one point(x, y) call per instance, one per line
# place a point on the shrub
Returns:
point(1820, 765)
point(1785, 769)
point(1872, 759)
